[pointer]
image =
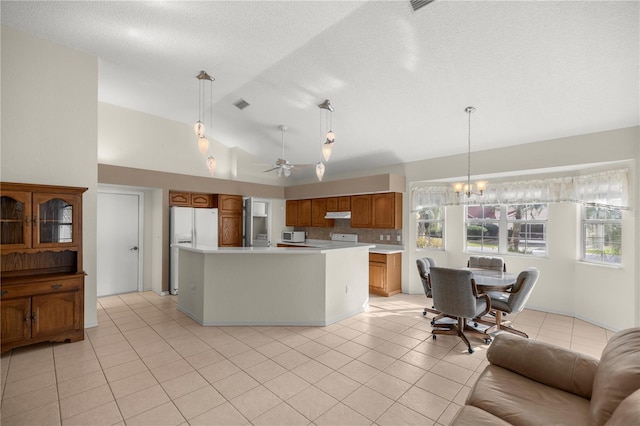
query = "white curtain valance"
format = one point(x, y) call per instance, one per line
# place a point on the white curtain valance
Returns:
point(605, 189)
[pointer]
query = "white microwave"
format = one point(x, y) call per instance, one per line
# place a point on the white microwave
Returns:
point(293, 236)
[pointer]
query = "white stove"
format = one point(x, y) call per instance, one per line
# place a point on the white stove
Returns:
point(345, 238)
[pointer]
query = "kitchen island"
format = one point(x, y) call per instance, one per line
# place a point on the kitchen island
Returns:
point(273, 285)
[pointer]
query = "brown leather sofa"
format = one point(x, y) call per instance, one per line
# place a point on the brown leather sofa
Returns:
point(534, 383)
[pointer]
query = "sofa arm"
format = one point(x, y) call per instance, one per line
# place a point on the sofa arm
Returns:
point(545, 363)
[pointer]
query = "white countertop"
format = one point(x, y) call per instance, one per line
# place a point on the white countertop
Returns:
point(373, 248)
point(303, 249)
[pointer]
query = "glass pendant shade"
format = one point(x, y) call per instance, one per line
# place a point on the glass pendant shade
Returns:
point(211, 164)
point(287, 172)
point(320, 170)
point(203, 145)
point(198, 128)
point(326, 150)
point(331, 137)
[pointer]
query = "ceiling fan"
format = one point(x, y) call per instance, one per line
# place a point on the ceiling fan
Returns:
point(282, 166)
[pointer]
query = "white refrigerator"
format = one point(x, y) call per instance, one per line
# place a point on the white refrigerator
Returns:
point(198, 227)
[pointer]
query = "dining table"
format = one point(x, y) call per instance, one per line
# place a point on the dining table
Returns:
point(489, 280)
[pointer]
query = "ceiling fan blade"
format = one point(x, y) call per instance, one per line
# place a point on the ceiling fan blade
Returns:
point(272, 169)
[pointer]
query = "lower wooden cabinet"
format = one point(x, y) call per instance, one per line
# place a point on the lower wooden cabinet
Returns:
point(49, 308)
point(230, 230)
point(385, 274)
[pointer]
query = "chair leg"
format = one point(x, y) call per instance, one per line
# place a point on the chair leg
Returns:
point(504, 326)
point(462, 324)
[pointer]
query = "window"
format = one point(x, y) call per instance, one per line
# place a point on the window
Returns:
point(601, 234)
point(527, 229)
point(514, 228)
point(483, 227)
point(430, 227)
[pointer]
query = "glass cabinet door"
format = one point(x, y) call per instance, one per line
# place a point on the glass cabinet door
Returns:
point(15, 219)
point(57, 219)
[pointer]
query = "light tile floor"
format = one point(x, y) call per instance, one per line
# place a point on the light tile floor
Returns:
point(147, 363)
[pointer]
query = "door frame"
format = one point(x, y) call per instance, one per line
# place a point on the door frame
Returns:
point(140, 196)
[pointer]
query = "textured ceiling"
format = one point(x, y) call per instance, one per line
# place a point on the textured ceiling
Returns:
point(399, 80)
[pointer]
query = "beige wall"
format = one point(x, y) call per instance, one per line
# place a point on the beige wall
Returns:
point(50, 128)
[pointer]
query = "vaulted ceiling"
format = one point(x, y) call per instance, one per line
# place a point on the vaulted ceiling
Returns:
point(399, 79)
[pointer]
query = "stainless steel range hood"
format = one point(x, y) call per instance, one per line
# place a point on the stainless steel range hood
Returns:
point(338, 215)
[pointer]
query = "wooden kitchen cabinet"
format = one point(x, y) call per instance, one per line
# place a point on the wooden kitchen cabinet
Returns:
point(190, 199)
point(385, 274)
point(361, 211)
point(304, 213)
point(344, 204)
point(318, 212)
point(202, 200)
point(42, 295)
point(291, 218)
point(229, 220)
point(386, 210)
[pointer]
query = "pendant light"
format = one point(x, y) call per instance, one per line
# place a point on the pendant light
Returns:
point(199, 127)
point(320, 170)
point(211, 164)
point(330, 136)
point(469, 188)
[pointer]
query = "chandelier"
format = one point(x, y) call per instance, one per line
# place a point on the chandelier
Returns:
point(469, 188)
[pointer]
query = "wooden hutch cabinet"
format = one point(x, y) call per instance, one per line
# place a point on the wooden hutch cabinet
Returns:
point(42, 291)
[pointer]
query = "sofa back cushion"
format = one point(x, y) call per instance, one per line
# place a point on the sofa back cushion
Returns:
point(628, 412)
point(618, 374)
point(543, 362)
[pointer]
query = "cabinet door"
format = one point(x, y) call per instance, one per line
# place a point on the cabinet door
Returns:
point(304, 213)
point(15, 220)
point(361, 211)
point(230, 230)
point(292, 213)
point(202, 200)
point(15, 316)
point(332, 204)
point(385, 210)
point(377, 276)
point(230, 203)
point(344, 204)
point(318, 211)
point(57, 218)
point(180, 199)
point(55, 313)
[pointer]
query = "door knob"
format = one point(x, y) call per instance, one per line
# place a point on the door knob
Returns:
point(134, 248)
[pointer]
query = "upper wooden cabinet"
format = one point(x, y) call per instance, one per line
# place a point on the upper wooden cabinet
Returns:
point(304, 213)
point(386, 210)
point(361, 211)
point(229, 203)
point(190, 199)
point(229, 220)
point(338, 204)
point(318, 212)
point(291, 213)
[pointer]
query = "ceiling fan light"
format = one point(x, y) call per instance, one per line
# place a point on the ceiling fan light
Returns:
point(203, 145)
point(198, 128)
point(326, 150)
point(287, 172)
point(320, 170)
point(211, 164)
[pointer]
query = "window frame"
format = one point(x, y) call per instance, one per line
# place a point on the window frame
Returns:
point(441, 222)
point(502, 222)
point(602, 222)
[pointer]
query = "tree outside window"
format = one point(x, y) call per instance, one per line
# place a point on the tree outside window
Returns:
point(602, 234)
point(430, 228)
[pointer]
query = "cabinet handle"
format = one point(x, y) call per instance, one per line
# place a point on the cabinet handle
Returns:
point(34, 317)
point(3, 292)
point(27, 220)
point(26, 318)
point(56, 286)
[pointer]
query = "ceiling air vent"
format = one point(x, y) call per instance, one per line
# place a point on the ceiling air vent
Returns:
point(417, 4)
point(242, 104)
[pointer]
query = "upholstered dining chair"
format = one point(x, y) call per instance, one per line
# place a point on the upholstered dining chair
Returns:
point(455, 295)
point(424, 265)
point(513, 301)
point(493, 263)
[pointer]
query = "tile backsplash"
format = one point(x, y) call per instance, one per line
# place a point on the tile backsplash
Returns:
point(365, 235)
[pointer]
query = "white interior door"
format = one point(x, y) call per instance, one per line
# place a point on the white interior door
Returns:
point(118, 243)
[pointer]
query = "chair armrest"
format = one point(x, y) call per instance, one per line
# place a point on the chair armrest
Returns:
point(545, 363)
